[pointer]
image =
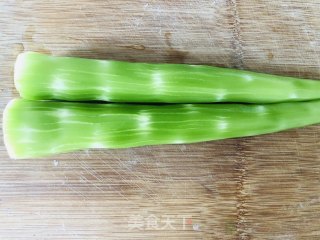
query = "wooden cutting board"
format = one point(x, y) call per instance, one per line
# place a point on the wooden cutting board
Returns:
point(265, 187)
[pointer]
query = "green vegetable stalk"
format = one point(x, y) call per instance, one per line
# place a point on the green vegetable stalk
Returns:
point(41, 128)
point(39, 76)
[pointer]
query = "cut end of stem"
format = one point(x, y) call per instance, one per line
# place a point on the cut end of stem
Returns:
point(18, 69)
point(6, 137)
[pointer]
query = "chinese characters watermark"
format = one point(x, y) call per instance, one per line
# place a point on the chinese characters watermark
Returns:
point(163, 222)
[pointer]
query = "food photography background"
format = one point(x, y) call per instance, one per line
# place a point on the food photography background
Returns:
point(264, 187)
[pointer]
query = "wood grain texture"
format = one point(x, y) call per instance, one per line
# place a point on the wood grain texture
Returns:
point(265, 187)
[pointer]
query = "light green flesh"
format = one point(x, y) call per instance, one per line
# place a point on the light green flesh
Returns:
point(39, 76)
point(41, 128)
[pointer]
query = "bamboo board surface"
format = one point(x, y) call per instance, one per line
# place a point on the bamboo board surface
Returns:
point(265, 187)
